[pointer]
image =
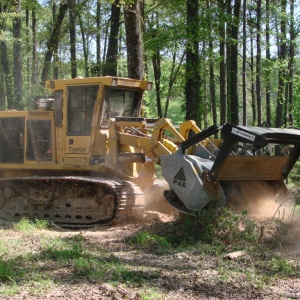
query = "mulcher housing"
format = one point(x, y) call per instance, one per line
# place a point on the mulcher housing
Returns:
point(215, 170)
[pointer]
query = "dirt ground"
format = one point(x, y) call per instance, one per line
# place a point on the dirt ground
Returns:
point(183, 275)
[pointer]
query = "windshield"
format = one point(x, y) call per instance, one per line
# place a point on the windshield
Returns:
point(118, 102)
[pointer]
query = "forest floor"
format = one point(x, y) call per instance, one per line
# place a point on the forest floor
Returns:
point(157, 258)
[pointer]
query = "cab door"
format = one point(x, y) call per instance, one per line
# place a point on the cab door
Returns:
point(80, 100)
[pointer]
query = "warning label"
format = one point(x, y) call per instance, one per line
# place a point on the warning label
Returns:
point(243, 134)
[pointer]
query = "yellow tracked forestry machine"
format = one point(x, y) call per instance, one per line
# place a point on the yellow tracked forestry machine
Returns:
point(85, 156)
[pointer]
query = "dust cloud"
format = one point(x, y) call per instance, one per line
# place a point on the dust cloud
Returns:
point(293, 235)
point(261, 199)
point(272, 205)
point(265, 202)
point(156, 204)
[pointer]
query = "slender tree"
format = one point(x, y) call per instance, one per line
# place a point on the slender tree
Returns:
point(253, 94)
point(244, 63)
point(2, 88)
point(34, 70)
point(53, 41)
point(232, 59)
point(282, 70)
point(258, 63)
point(156, 60)
point(172, 79)
point(192, 62)
point(98, 39)
point(28, 48)
point(7, 75)
point(222, 67)
point(291, 64)
point(72, 31)
point(212, 85)
point(17, 55)
point(268, 67)
point(84, 46)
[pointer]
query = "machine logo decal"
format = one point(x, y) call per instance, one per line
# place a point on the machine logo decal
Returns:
point(77, 150)
point(243, 134)
point(180, 178)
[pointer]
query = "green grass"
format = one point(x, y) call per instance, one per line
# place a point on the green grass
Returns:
point(7, 271)
point(150, 241)
point(41, 270)
point(217, 232)
point(36, 261)
point(26, 225)
point(277, 266)
point(294, 175)
point(213, 229)
point(63, 249)
point(158, 172)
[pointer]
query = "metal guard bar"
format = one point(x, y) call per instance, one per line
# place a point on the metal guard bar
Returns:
point(198, 137)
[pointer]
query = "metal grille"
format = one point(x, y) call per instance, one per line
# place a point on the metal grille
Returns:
point(12, 140)
point(81, 101)
point(39, 140)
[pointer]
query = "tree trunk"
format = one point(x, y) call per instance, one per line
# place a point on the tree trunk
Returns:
point(258, 64)
point(53, 41)
point(7, 78)
point(282, 72)
point(173, 77)
point(72, 31)
point(291, 64)
point(232, 71)
point(228, 59)
point(111, 62)
point(34, 74)
point(55, 50)
point(212, 86)
point(28, 48)
point(222, 75)
point(17, 54)
point(84, 47)
point(244, 67)
point(134, 40)
point(2, 88)
point(268, 59)
point(55, 64)
point(98, 39)
point(192, 62)
point(105, 41)
point(156, 61)
point(253, 94)
point(157, 76)
point(7, 74)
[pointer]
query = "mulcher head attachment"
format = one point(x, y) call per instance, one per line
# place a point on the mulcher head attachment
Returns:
point(245, 164)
